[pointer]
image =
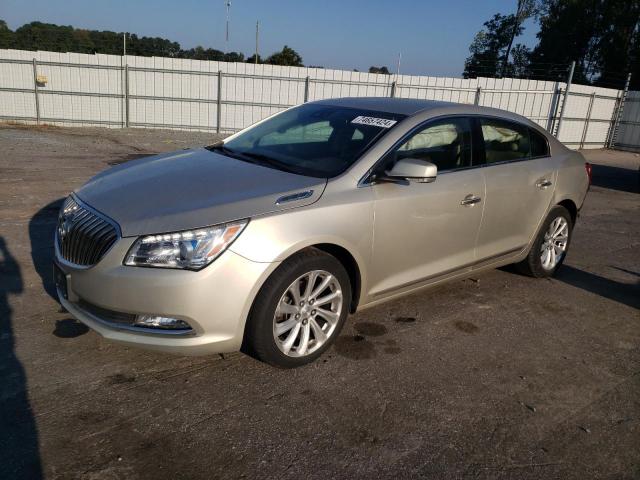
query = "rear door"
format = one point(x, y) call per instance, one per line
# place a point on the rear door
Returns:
point(520, 179)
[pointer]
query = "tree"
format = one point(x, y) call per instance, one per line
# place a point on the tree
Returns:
point(109, 43)
point(567, 33)
point(6, 36)
point(287, 56)
point(520, 64)
point(152, 46)
point(601, 36)
point(234, 57)
point(56, 38)
point(252, 59)
point(382, 70)
point(526, 9)
point(46, 36)
point(619, 44)
point(201, 53)
point(491, 45)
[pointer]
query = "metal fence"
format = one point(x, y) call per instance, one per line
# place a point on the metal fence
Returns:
point(152, 92)
point(628, 130)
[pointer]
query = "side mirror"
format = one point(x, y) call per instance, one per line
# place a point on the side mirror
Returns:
point(413, 169)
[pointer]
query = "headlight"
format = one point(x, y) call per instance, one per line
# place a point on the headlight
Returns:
point(191, 249)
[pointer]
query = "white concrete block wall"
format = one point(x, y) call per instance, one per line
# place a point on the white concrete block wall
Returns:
point(186, 97)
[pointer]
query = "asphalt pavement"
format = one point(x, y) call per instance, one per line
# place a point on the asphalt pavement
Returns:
point(495, 376)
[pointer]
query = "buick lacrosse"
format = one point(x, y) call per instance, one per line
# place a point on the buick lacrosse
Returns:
point(266, 241)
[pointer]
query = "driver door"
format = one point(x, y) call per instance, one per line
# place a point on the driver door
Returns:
point(425, 230)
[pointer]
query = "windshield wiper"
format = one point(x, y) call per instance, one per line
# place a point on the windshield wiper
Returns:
point(262, 159)
point(219, 147)
point(252, 157)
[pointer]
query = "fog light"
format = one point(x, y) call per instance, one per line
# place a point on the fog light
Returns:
point(166, 323)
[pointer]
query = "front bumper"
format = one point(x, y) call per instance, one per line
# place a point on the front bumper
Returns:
point(214, 301)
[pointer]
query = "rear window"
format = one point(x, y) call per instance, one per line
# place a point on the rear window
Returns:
point(504, 141)
point(539, 145)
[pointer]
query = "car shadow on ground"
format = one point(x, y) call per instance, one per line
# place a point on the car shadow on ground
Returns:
point(616, 178)
point(625, 293)
point(19, 451)
point(41, 231)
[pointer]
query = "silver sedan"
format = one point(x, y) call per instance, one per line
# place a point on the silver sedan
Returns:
point(266, 241)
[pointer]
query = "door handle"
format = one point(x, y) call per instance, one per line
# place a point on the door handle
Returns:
point(470, 200)
point(544, 183)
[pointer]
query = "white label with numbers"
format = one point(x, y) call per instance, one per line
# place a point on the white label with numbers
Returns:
point(374, 122)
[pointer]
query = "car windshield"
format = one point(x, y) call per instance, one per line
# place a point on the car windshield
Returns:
point(314, 140)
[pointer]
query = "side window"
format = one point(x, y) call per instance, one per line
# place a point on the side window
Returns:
point(445, 143)
point(504, 141)
point(539, 145)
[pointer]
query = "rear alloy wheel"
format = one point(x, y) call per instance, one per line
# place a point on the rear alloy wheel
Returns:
point(299, 311)
point(555, 243)
point(550, 246)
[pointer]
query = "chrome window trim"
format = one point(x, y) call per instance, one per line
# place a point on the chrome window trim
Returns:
point(507, 162)
point(364, 181)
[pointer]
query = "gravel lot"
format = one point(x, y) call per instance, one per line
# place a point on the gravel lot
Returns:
point(499, 376)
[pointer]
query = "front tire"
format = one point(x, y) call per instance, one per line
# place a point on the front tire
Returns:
point(299, 311)
point(550, 247)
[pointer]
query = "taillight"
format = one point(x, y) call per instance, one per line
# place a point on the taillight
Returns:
point(589, 168)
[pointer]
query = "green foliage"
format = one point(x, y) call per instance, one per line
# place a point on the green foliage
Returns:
point(45, 36)
point(601, 36)
point(56, 38)
point(252, 59)
point(287, 56)
point(200, 53)
point(382, 70)
point(6, 36)
point(491, 49)
point(619, 43)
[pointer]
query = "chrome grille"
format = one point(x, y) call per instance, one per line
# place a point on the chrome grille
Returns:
point(82, 236)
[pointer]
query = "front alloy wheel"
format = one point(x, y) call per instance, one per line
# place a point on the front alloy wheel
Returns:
point(299, 310)
point(307, 313)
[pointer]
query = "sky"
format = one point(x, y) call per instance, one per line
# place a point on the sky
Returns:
point(433, 37)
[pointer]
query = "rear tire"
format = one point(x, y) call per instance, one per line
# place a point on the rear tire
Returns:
point(550, 246)
point(299, 310)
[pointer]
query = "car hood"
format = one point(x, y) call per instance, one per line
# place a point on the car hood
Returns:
point(193, 188)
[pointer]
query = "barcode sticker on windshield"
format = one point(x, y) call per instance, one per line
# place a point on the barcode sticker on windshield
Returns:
point(374, 122)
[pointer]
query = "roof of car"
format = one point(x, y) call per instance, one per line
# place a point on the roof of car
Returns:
point(413, 106)
point(401, 106)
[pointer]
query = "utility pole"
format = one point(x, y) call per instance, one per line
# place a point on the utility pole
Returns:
point(228, 5)
point(257, 34)
point(398, 70)
point(124, 44)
